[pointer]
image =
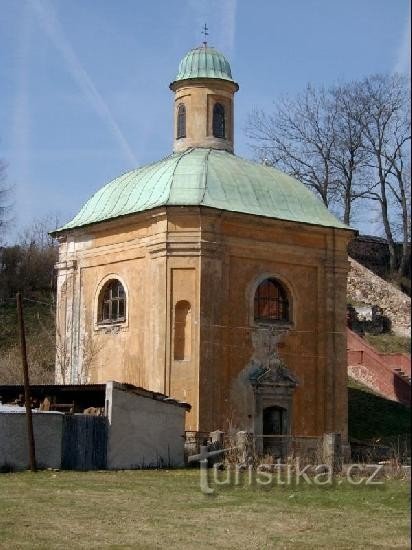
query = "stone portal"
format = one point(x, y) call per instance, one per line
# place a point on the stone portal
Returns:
point(263, 393)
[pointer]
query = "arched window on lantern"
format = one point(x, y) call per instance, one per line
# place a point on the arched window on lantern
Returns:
point(271, 303)
point(182, 331)
point(181, 121)
point(219, 121)
point(112, 303)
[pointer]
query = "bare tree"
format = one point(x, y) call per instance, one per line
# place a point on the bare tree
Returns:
point(63, 358)
point(298, 138)
point(401, 189)
point(29, 265)
point(38, 232)
point(349, 157)
point(318, 139)
point(90, 347)
point(348, 143)
point(384, 102)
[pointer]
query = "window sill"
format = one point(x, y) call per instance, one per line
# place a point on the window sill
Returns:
point(111, 327)
point(275, 324)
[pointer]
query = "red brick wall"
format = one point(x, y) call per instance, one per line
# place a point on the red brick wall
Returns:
point(397, 360)
point(376, 371)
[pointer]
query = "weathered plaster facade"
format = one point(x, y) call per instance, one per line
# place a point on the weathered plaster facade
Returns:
point(198, 99)
point(214, 260)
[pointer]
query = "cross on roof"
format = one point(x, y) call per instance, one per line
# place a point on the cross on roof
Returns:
point(205, 33)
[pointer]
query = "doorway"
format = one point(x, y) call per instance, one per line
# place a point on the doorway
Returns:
point(274, 422)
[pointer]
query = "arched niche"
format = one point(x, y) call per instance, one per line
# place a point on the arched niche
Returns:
point(182, 344)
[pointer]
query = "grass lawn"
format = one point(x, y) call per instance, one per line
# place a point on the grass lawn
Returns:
point(156, 509)
point(389, 343)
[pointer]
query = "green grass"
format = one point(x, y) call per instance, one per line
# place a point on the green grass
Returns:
point(374, 417)
point(156, 509)
point(389, 343)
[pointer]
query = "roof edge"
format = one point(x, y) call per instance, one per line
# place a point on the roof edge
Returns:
point(176, 83)
point(58, 232)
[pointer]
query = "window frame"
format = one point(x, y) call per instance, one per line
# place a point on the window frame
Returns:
point(283, 301)
point(108, 286)
point(181, 126)
point(218, 106)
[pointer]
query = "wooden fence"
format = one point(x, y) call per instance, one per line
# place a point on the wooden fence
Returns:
point(84, 445)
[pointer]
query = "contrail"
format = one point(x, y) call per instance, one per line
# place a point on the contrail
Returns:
point(53, 28)
point(229, 25)
point(20, 130)
point(403, 60)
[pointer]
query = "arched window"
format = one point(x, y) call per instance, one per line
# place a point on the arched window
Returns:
point(112, 303)
point(271, 302)
point(218, 120)
point(183, 331)
point(181, 121)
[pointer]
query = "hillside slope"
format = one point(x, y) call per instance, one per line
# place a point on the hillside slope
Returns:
point(364, 287)
point(40, 336)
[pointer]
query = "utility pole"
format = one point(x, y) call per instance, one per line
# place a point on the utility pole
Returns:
point(27, 397)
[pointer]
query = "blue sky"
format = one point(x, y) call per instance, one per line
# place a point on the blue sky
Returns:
point(84, 83)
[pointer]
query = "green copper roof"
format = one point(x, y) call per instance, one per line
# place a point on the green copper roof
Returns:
point(206, 177)
point(204, 62)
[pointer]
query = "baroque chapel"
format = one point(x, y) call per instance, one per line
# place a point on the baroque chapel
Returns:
point(215, 280)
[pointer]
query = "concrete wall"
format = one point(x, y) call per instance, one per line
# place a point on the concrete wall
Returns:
point(143, 432)
point(47, 434)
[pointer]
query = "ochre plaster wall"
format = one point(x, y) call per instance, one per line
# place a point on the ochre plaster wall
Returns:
point(312, 264)
point(199, 98)
point(214, 260)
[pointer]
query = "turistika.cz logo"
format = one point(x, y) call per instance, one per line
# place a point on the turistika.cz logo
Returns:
point(267, 475)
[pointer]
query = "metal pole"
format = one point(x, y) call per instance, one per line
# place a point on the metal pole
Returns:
point(27, 398)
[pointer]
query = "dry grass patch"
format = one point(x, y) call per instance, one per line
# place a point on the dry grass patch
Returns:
point(152, 509)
